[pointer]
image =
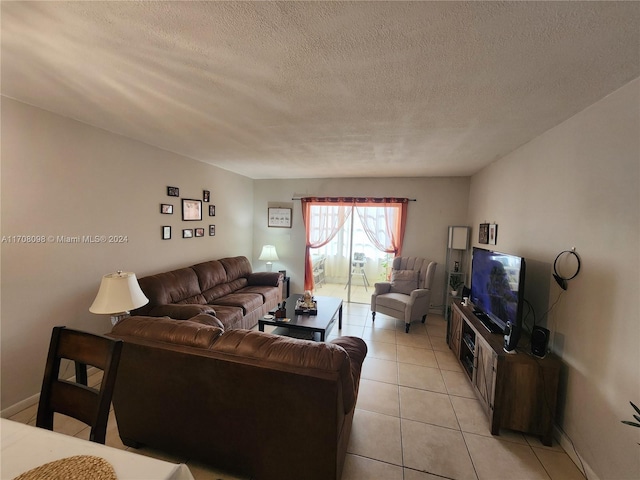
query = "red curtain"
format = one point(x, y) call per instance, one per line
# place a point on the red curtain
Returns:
point(389, 241)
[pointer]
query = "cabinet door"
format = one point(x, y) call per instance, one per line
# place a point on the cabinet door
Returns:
point(456, 333)
point(484, 378)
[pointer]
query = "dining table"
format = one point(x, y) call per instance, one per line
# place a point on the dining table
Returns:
point(29, 452)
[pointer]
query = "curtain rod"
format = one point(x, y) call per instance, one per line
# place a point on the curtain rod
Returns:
point(300, 198)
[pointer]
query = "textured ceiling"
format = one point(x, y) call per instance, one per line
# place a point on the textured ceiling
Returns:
point(321, 89)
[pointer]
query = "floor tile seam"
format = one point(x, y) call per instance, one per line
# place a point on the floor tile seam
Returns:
point(501, 440)
point(421, 389)
point(427, 472)
point(542, 463)
point(376, 459)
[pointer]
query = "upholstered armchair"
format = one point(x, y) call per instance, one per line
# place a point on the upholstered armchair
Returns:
point(408, 295)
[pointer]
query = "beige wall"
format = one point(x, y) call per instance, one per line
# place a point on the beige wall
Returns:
point(439, 202)
point(61, 177)
point(577, 186)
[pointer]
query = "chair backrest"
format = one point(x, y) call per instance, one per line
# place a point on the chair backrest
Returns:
point(427, 268)
point(89, 405)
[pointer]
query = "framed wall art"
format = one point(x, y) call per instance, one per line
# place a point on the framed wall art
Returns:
point(206, 195)
point(173, 191)
point(212, 230)
point(493, 234)
point(212, 210)
point(191, 209)
point(166, 209)
point(187, 233)
point(199, 232)
point(279, 217)
point(483, 233)
point(166, 232)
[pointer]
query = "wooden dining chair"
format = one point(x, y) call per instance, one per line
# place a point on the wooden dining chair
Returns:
point(75, 399)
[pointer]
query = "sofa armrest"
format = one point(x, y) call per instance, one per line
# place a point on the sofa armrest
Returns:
point(269, 279)
point(181, 311)
point(356, 349)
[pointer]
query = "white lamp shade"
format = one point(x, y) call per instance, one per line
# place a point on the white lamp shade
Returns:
point(119, 292)
point(268, 253)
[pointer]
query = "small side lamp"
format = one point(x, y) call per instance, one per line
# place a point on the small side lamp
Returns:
point(269, 254)
point(119, 292)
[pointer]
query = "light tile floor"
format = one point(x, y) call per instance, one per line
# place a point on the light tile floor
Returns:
point(416, 417)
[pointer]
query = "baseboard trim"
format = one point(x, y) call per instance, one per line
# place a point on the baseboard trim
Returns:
point(34, 399)
point(566, 443)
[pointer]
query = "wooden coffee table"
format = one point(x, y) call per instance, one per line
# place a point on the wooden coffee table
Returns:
point(322, 323)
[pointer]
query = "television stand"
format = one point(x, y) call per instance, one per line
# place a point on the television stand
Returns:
point(518, 392)
point(486, 322)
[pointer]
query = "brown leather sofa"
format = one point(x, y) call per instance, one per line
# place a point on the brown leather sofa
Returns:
point(261, 405)
point(226, 288)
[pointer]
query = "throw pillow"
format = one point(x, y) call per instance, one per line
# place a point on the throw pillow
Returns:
point(404, 281)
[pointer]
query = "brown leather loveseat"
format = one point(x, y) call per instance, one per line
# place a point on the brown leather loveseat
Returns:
point(262, 405)
point(226, 288)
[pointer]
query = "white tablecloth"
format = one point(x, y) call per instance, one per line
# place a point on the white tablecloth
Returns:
point(24, 447)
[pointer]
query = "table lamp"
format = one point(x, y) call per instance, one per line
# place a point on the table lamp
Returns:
point(119, 292)
point(269, 254)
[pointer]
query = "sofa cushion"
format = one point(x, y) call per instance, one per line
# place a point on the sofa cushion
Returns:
point(229, 316)
point(216, 292)
point(247, 301)
point(404, 281)
point(166, 330)
point(267, 293)
point(236, 267)
point(210, 274)
point(176, 286)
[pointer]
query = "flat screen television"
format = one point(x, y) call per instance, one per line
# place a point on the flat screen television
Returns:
point(497, 288)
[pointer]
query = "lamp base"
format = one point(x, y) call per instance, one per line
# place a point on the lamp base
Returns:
point(116, 318)
point(269, 266)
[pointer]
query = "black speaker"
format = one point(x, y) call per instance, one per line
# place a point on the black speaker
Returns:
point(511, 337)
point(539, 341)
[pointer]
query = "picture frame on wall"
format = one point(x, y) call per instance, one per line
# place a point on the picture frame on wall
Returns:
point(212, 230)
point(493, 234)
point(483, 233)
point(212, 210)
point(191, 210)
point(173, 191)
point(279, 217)
point(199, 232)
point(166, 232)
point(187, 233)
point(206, 195)
point(166, 209)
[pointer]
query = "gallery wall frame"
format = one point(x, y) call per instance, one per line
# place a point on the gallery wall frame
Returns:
point(483, 233)
point(187, 233)
point(166, 232)
point(166, 209)
point(191, 209)
point(493, 234)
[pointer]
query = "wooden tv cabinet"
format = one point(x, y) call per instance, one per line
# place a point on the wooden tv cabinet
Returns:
point(517, 391)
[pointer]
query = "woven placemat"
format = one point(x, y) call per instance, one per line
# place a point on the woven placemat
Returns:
point(85, 467)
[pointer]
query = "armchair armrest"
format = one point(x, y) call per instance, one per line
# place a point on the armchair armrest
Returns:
point(181, 311)
point(419, 292)
point(381, 288)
